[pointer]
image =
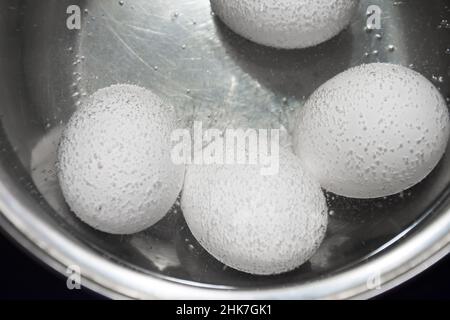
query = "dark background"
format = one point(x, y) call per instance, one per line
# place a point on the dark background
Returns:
point(23, 277)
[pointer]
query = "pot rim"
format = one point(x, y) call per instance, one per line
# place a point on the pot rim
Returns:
point(409, 256)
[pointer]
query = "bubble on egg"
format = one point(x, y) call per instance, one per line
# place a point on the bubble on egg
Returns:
point(286, 24)
point(372, 131)
point(254, 223)
point(114, 164)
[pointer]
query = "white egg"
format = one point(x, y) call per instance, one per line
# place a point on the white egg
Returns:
point(372, 131)
point(256, 224)
point(114, 163)
point(286, 24)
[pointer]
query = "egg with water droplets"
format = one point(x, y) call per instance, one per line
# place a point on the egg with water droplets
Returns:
point(253, 223)
point(286, 24)
point(372, 131)
point(114, 164)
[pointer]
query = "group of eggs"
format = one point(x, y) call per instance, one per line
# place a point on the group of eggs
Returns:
point(371, 131)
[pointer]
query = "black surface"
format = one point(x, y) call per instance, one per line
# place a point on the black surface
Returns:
point(22, 277)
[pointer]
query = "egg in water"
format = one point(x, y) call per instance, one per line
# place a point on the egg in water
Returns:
point(372, 131)
point(255, 223)
point(114, 164)
point(287, 24)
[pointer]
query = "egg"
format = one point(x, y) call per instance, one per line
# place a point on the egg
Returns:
point(372, 131)
point(286, 24)
point(258, 224)
point(114, 164)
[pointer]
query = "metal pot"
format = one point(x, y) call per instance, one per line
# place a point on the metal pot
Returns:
point(182, 52)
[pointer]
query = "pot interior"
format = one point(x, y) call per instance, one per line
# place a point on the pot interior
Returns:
point(183, 53)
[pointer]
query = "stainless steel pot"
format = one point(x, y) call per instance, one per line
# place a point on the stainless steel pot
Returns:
point(182, 52)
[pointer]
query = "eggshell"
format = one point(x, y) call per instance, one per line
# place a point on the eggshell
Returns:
point(254, 223)
point(372, 131)
point(286, 24)
point(114, 164)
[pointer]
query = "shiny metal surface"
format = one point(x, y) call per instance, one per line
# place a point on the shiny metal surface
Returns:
point(185, 54)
